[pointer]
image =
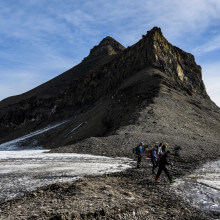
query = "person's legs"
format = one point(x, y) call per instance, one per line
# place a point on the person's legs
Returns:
point(158, 173)
point(167, 173)
point(138, 160)
point(154, 165)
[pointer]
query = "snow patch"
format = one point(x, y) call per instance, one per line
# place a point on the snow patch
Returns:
point(14, 144)
point(26, 170)
point(202, 188)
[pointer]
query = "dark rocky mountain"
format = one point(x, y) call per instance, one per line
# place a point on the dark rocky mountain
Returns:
point(116, 97)
point(151, 91)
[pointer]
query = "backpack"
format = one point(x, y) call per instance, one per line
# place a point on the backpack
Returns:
point(149, 153)
point(134, 150)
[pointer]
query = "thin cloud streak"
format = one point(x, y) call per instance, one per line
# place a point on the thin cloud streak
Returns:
point(212, 45)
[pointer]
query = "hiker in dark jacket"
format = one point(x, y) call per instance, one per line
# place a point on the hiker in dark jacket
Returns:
point(161, 150)
point(162, 167)
point(164, 147)
point(154, 157)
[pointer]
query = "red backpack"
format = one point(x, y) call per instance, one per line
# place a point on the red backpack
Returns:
point(149, 152)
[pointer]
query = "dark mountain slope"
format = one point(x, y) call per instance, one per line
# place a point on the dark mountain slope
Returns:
point(189, 124)
point(111, 91)
point(99, 55)
point(151, 91)
point(30, 106)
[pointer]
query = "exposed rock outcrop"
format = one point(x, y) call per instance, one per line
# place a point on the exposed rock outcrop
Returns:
point(121, 79)
point(108, 46)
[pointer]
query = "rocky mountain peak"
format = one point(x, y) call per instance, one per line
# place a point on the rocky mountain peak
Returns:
point(155, 30)
point(107, 46)
point(177, 64)
point(138, 73)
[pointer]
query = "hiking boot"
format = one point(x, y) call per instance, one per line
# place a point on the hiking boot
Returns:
point(172, 181)
point(157, 181)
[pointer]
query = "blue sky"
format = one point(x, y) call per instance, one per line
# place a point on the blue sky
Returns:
point(40, 39)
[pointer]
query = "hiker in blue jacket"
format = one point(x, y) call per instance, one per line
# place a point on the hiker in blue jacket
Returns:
point(154, 157)
point(139, 152)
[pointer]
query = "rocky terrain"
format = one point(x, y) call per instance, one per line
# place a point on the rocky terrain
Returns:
point(128, 195)
point(116, 97)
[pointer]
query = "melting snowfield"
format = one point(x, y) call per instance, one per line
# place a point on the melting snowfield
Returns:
point(26, 170)
point(202, 188)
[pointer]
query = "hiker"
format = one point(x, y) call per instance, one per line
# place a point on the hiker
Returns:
point(164, 148)
point(138, 152)
point(162, 167)
point(159, 152)
point(154, 157)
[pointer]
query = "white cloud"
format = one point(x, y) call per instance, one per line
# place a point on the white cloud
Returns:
point(211, 79)
point(212, 45)
point(213, 89)
point(131, 18)
point(121, 17)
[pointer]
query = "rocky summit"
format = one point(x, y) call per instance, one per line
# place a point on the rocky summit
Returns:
point(151, 91)
point(110, 89)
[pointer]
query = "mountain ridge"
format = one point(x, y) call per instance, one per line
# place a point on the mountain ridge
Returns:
point(145, 69)
point(149, 92)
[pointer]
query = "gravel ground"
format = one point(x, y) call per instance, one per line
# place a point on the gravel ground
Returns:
point(193, 137)
point(131, 194)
